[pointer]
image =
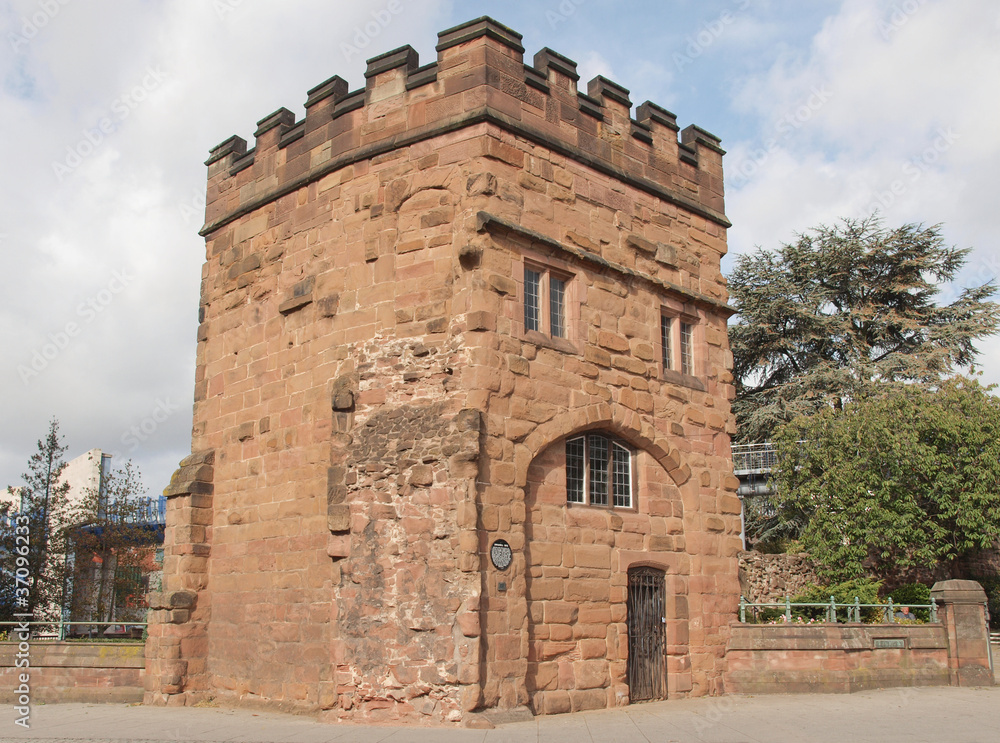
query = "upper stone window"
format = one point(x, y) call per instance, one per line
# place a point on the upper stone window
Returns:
point(545, 301)
point(598, 471)
point(677, 344)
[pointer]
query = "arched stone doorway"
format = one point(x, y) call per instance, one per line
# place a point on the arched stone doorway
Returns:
point(579, 552)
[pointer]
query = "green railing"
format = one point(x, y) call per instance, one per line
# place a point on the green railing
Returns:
point(882, 613)
point(59, 631)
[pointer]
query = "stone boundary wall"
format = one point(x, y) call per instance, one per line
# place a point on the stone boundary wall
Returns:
point(767, 578)
point(76, 672)
point(825, 658)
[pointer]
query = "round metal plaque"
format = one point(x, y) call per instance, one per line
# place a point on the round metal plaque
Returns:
point(501, 554)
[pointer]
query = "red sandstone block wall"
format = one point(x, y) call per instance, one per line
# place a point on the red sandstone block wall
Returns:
point(75, 672)
point(834, 658)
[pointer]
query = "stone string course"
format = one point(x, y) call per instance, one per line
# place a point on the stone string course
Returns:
point(370, 413)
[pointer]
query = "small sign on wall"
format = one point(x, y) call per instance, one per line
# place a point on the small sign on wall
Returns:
point(501, 554)
point(890, 643)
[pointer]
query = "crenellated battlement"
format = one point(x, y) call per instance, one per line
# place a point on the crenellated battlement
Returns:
point(479, 77)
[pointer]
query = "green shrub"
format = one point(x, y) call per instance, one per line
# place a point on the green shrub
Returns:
point(864, 589)
point(991, 585)
point(911, 593)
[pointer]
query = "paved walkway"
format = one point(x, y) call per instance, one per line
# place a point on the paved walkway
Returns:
point(912, 715)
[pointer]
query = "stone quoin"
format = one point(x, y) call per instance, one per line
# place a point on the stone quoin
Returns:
point(465, 303)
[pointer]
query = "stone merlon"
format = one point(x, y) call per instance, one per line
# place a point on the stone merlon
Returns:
point(479, 77)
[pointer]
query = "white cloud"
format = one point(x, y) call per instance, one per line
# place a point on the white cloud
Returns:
point(135, 199)
point(907, 126)
point(168, 80)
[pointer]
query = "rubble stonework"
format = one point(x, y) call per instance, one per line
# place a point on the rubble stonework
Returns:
point(371, 414)
point(766, 578)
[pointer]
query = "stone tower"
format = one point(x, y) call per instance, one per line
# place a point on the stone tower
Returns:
point(461, 412)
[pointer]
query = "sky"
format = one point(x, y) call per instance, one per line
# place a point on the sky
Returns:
point(828, 109)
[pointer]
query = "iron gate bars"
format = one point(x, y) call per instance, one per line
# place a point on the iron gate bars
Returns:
point(647, 677)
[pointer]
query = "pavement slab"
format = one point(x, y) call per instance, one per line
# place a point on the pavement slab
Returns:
point(912, 715)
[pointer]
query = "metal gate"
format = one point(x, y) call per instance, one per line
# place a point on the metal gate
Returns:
point(647, 668)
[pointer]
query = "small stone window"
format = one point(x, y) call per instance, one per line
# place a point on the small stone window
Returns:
point(545, 301)
point(687, 345)
point(677, 344)
point(598, 471)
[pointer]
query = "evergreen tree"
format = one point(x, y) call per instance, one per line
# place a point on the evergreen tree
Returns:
point(841, 309)
point(43, 501)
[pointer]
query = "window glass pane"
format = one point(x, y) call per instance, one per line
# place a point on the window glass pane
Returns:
point(621, 462)
point(598, 446)
point(687, 360)
point(665, 323)
point(557, 294)
point(574, 470)
point(532, 286)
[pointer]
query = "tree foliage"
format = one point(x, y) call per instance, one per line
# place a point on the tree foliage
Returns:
point(43, 501)
point(907, 477)
point(842, 308)
point(112, 542)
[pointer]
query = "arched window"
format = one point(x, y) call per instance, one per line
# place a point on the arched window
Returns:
point(598, 471)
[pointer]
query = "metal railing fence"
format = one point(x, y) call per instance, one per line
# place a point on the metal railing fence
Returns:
point(754, 457)
point(60, 631)
point(852, 611)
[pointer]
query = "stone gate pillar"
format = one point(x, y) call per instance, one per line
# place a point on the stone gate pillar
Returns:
point(962, 610)
point(177, 645)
